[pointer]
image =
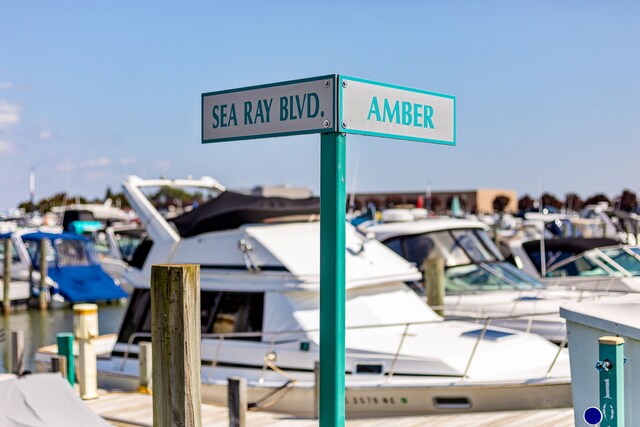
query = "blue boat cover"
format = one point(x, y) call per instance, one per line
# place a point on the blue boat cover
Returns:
point(78, 283)
point(85, 283)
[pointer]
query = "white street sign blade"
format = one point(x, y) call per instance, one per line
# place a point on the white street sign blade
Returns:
point(391, 111)
point(279, 109)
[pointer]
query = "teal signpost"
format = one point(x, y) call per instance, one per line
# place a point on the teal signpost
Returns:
point(333, 106)
point(611, 380)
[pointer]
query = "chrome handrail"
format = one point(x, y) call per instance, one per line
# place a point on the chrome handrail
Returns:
point(222, 336)
point(562, 345)
point(395, 358)
point(475, 347)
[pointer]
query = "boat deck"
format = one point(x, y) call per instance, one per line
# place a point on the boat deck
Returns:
point(135, 409)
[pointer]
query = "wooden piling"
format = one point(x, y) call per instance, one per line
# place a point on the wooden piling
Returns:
point(59, 364)
point(316, 389)
point(175, 330)
point(237, 398)
point(6, 279)
point(42, 300)
point(433, 273)
point(17, 352)
point(146, 364)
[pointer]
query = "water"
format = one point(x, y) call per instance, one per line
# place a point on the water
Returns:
point(40, 328)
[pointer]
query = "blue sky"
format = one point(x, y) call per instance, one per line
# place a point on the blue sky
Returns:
point(91, 92)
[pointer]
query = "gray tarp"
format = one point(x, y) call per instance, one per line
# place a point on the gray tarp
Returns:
point(43, 400)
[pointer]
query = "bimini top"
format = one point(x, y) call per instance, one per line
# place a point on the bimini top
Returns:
point(231, 210)
point(573, 246)
point(39, 235)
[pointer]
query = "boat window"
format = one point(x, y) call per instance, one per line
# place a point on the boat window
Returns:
point(14, 253)
point(624, 260)
point(512, 275)
point(635, 249)
point(487, 277)
point(209, 302)
point(127, 244)
point(472, 277)
point(451, 251)
point(418, 247)
point(138, 317)
point(489, 244)
point(581, 266)
point(100, 243)
point(552, 257)
point(239, 312)
point(221, 312)
point(33, 248)
point(471, 244)
point(71, 253)
point(395, 245)
point(140, 254)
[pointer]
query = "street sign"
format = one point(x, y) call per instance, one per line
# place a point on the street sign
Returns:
point(332, 105)
point(391, 111)
point(278, 109)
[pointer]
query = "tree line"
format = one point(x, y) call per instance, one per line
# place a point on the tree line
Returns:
point(626, 201)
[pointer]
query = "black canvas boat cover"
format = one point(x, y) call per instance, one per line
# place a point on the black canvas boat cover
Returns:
point(231, 210)
point(574, 246)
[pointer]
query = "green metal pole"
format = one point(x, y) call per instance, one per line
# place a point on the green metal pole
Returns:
point(65, 348)
point(611, 367)
point(333, 200)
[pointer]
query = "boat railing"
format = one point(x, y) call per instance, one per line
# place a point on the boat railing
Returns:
point(275, 337)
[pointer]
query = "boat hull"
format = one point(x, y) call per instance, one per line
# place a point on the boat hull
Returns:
point(378, 399)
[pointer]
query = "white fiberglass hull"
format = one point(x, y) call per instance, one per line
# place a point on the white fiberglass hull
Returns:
point(366, 395)
point(413, 396)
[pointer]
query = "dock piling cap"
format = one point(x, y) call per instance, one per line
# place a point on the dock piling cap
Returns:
point(80, 309)
point(611, 340)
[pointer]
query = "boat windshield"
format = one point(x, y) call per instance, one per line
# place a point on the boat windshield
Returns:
point(457, 247)
point(63, 253)
point(15, 258)
point(625, 258)
point(588, 264)
point(496, 276)
point(71, 253)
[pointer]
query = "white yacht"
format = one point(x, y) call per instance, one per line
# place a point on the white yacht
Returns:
point(259, 261)
point(479, 283)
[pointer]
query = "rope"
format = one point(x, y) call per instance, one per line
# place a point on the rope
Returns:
point(272, 397)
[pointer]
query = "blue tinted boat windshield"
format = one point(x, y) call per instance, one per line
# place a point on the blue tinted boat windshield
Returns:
point(498, 276)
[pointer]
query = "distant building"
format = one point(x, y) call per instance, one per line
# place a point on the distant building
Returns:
point(282, 191)
point(475, 201)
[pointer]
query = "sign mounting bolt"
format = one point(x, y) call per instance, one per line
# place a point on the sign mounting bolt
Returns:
point(344, 83)
point(326, 123)
point(344, 124)
point(326, 83)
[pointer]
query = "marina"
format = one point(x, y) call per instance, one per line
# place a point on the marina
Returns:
point(259, 214)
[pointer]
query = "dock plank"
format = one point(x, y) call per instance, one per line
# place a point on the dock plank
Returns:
point(136, 409)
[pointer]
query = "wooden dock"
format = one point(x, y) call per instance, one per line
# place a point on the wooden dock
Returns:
point(135, 409)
